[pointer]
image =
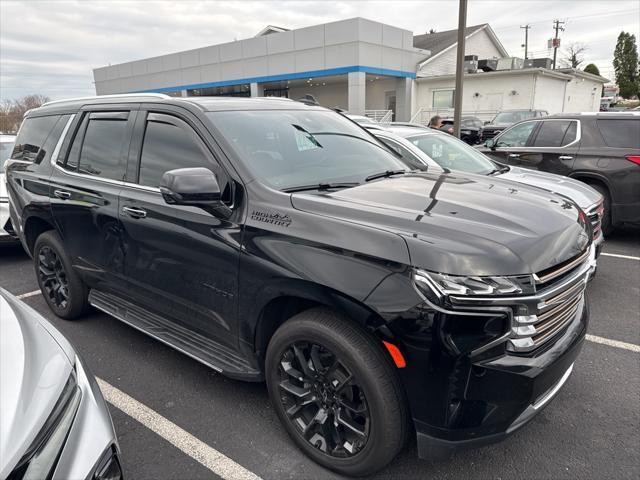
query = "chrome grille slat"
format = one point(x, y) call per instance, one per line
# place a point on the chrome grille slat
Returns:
point(562, 270)
point(562, 317)
point(563, 306)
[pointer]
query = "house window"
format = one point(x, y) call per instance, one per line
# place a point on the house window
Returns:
point(443, 99)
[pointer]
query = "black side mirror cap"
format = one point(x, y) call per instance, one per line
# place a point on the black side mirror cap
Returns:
point(190, 186)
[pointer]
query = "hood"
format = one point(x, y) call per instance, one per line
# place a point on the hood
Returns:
point(581, 193)
point(34, 368)
point(463, 224)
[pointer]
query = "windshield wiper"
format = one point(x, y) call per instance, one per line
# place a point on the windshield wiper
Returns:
point(384, 174)
point(502, 169)
point(320, 186)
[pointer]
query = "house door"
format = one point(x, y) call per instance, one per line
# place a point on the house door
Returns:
point(390, 103)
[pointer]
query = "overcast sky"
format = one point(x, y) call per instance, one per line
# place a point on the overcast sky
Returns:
point(50, 47)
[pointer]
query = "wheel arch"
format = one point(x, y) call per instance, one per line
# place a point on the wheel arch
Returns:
point(34, 226)
point(275, 310)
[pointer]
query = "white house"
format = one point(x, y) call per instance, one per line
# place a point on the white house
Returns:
point(485, 93)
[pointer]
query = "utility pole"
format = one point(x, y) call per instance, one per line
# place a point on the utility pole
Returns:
point(526, 40)
point(457, 103)
point(557, 25)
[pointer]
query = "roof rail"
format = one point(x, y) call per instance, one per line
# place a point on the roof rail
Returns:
point(117, 95)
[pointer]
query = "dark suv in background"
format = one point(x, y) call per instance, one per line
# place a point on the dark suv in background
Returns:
point(272, 240)
point(505, 119)
point(601, 149)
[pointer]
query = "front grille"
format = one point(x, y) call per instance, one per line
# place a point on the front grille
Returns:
point(539, 318)
point(489, 133)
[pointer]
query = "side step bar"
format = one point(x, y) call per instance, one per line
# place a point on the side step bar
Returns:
point(212, 354)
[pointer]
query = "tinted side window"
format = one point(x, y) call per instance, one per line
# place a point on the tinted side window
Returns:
point(33, 133)
point(516, 136)
point(620, 133)
point(551, 134)
point(101, 153)
point(167, 147)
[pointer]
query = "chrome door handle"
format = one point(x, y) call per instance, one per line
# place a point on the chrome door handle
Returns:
point(565, 157)
point(514, 155)
point(62, 194)
point(134, 212)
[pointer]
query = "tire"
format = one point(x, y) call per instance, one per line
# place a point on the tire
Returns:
point(61, 286)
point(374, 392)
point(607, 226)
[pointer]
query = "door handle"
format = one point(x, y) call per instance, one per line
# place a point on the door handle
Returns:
point(134, 212)
point(565, 157)
point(62, 194)
point(514, 155)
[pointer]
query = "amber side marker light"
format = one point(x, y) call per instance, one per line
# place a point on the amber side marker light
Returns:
point(396, 354)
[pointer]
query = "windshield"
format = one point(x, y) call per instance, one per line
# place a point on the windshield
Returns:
point(453, 154)
point(513, 117)
point(291, 148)
point(5, 152)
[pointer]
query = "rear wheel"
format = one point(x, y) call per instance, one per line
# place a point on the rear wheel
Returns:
point(61, 286)
point(336, 392)
point(607, 226)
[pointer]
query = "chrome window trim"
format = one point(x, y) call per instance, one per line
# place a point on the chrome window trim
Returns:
point(543, 149)
point(121, 183)
point(56, 150)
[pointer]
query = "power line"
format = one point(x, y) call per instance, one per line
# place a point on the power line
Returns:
point(573, 17)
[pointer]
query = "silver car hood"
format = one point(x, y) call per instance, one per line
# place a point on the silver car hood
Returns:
point(35, 364)
point(579, 192)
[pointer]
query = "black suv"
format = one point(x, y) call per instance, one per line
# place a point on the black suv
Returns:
point(601, 149)
point(505, 119)
point(272, 240)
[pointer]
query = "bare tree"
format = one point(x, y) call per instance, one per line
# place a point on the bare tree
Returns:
point(12, 111)
point(574, 55)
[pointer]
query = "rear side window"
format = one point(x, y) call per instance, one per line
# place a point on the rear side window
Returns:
point(556, 133)
point(98, 147)
point(33, 133)
point(620, 133)
point(166, 147)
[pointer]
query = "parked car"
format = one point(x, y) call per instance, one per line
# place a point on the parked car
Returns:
point(470, 128)
point(54, 423)
point(505, 119)
point(272, 240)
point(452, 154)
point(600, 149)
point(6, 147)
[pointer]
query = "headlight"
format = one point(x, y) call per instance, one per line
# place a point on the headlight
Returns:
point(442, 285)
point(42, 456)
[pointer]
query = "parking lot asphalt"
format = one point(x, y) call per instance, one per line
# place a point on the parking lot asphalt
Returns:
point(590, 430)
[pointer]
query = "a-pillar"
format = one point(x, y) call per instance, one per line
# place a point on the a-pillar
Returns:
point(357, 87)
point(403, 99)
point(257, 89)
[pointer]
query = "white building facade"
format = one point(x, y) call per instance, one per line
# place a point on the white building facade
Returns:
point(361, 66)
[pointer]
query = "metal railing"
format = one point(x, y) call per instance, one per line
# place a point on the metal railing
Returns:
point(381, 116)
point(423, 115)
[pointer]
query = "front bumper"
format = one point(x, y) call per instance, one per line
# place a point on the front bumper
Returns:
point(516, 388)
point(92, 442)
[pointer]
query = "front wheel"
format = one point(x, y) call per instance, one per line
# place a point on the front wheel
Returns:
point(336, 392)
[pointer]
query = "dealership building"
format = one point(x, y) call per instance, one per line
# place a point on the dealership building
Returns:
point(364, 67)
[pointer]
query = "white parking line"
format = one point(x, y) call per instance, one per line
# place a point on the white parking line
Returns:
point(28, 294)
point(208, 456)
point(617, 255)
point(614, 343)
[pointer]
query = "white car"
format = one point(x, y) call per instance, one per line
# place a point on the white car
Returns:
point(6, 147)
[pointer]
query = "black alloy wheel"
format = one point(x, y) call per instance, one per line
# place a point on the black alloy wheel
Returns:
point(337, 392)
point(323, 399)
point(53, 277)
point(61, 286)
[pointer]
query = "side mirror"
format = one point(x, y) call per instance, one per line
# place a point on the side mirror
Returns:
point(486, 122)
point(490, 143)
point(191, 186)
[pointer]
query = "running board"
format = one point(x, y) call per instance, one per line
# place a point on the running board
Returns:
point(212, 354)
